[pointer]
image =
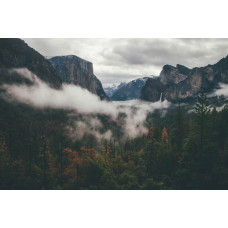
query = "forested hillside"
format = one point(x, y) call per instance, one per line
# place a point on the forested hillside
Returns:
point(56, 135)
point(181, 151)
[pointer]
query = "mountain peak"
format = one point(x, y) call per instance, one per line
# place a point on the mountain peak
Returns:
point(173, 75)
point(130, 90)
point(111, 89)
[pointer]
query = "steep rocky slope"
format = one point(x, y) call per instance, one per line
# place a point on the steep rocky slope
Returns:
point(152, 90)
point(178, 83)
point(173, 75)
point(74, 70)
point(15, 53)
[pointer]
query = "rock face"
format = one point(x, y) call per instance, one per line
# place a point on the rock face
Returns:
point(152, 90)
point(173, 75)
point(15, 53)
point(178, 83)
point(129, 91)
point(74, 70)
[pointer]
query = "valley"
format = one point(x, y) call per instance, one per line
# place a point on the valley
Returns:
point(60, 129)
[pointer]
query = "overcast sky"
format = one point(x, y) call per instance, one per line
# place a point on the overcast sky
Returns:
point(119, 60)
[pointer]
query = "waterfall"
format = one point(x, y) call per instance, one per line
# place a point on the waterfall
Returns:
point(161, 97)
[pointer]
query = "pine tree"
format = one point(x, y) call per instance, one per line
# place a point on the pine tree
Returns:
point(178, 132)
point(201, 115)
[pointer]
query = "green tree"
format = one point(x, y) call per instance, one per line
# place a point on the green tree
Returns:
point(201, 117)
point(177, 132)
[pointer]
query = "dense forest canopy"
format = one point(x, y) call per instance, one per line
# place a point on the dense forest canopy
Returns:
point(181, 150)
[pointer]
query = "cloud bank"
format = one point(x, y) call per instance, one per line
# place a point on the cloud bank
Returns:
point(223, 90)
point(79, 100)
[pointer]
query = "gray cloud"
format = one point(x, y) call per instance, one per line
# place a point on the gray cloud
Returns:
point(117, 60)
point(158, 52)
point(223, 90)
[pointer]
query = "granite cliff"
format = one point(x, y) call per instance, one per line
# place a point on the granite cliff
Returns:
point(74, 70)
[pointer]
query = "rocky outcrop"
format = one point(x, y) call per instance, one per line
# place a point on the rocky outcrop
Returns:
point(129, 91)
point(180, 83)
point(74, 70)
point(15, 53)
point(173, 75)
point(152, 90)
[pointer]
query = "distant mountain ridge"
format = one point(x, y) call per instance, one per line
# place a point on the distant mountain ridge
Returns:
point(180, 83)
point(75, 70)
point(129, 91)
point(110, 90)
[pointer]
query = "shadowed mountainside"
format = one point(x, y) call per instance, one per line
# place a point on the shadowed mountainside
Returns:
point(15, 53)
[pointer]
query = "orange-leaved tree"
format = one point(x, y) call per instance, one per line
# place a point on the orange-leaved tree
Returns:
point(71, 163)
point(165, 137)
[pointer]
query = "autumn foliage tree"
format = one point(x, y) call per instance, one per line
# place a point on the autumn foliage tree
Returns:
point(164, 137)
point(71, 164)
point(89, 152)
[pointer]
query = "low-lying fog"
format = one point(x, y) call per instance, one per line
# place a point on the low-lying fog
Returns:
point(75, 98)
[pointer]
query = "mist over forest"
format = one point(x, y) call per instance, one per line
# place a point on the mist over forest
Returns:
point(60, 129)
